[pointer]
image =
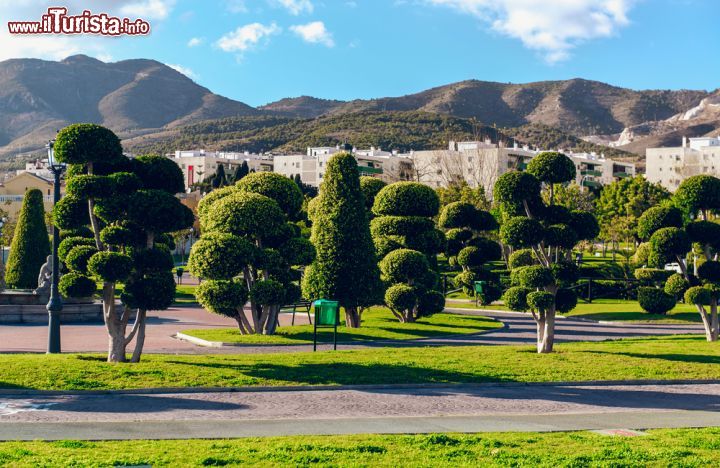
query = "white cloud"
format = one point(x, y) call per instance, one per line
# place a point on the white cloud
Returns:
point(149, 9)
point(195, 41)
point(295, 7)
point(184, 70)
point(236, 6)
point(246, 37)
point(314, 33)
point(552, 27)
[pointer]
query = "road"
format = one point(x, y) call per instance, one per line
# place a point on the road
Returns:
point(410, 409)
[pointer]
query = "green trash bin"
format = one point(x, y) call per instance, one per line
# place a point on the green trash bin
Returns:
point(327, 314)
point(479, 287)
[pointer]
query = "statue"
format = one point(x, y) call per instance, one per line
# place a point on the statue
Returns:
point(45, 277)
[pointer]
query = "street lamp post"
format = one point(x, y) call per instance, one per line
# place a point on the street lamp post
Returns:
point(54, 305)
point(3, 220)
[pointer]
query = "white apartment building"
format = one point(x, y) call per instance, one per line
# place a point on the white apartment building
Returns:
point(371, 162)
point(480, 163)
point(670, 166)
point(198, 165)
point(39, 167)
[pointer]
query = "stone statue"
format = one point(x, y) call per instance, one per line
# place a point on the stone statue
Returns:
point(45, 277)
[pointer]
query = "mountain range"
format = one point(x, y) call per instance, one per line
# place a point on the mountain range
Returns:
point(151, 105)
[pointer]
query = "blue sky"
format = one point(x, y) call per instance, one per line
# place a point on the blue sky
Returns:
point(258, 51)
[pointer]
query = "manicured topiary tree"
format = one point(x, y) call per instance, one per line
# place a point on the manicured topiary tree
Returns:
point(370, 187)
point(129, 205)
point(469, 249)
point(411, 284)
point(249, 250)
point(345, 268)
point(30, 245)
point(671, 241)
point(552, 168)
point(547, 235)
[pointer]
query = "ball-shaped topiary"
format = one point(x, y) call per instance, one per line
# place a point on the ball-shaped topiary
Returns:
point(125, 183)
point(676, 285)
point(535, 276)
point(222, 297)
point(430, 302)
point(158, 211)
point(110, 266)
point(652, 276)
point(90, 186)
point(85, 143)
point(370, 187)
point(698, 295)
point(584, 224)
point(209, 200)
point(245, 214)
point(385, 245)
point(565, 272)
point(406, 199)
point(521, 232)
point(669, 242)
point(560, 235)
point(552, 167)
point(77, 258)
point(515, 298)
point(298, 251)
point(655, 301)
point(400, 226)
point(462, 214)
point(540, 300)
point(220, 256)
point(123, 235)
point(709, 271)
point(155, 259)
point(565, 300)
point(514, 187)
point(401, 297)
point(284, 191)
point(656, 218)
point(403, 265)
point(556, 214)
point(699, 193)
point(704, 232)
point(74, 284)
point(159, 173)
point(67, 244)
point(521, 257)
point(155, 291)
point(268, 292)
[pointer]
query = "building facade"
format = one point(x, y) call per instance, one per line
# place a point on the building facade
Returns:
point(199, 165)
point(12, 192)
point(670, 166)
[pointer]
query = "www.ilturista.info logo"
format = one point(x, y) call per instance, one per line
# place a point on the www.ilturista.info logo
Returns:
point(57, 21)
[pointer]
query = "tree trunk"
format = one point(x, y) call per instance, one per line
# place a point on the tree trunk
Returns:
point(272, 319)
point(714, 325)
point(352, 317)
point(545, 345)
point(140, 336)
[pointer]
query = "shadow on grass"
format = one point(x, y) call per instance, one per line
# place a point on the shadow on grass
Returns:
point(694, 358)
point(342, 373)
point(688, 317)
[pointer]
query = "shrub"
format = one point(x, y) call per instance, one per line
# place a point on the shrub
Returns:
point(400, 297)
point(83, 143)
point(222, 297)
point(268, 292)
point(220, 256)
point(490, 294)
point(74, 284)
point(77, 258)
point(540, 300)
point(584, 224)
point(676, 285)
point(560, 235)
point(284, 191)
point(89, 186)
point(556, 214)
point(521, 232)
point(245, 214)
point(120, 236)
point(552, 167)
point(403, 265)
point(704, 232)
point(400, 226)
point(67, 244)
point(430, 302)
point(406, 199)
point(110, 266)
point(154, 291)
point(655, 301)
point(30, 245)
point(656, 218)
point(522, 257)
point(157, 173)
point(565, 300)
point(155, 259)
point(535, 276)
point(669, 242)
point(515, 298)
point(652, 276)
point(514, 187)
point(566, 273)
point(370, 187)
point(698, 295)
point(699, 193)
point(709, 271)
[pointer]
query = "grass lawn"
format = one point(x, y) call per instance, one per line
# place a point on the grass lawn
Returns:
point(185, 294)
point(613, 310)
point(378, 324)
point(681, 357)
point(665, 447)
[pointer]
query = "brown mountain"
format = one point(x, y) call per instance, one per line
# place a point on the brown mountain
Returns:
point(131, 97)
point(578, 106)
point(304, 107)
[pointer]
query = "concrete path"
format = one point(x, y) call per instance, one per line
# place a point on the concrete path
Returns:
point(162, 326)
point(411, 409)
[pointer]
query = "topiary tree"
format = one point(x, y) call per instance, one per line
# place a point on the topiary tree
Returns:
point(30, 245)
point(370, 187)
point(249, 250)
point(345, 268)
point(547, 235)
point(129, 205)
point(410, 294)
point(552, 168)
point(467, 248)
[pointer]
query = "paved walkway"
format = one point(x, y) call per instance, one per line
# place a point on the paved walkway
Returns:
point(162, 326)
point(411, 409)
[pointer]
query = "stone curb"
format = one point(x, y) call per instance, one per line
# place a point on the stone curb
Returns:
point(317, 388)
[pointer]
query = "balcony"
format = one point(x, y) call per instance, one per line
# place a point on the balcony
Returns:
point(621, 175)
point(591, 172)
point(591, 183)
point(369, 170)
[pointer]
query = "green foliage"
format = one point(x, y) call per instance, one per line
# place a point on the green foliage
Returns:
point(112, 267)
point(222, 297)
point(90, 186)
point(219, 256)
point(73, 284)
point(555, 214)
point(121, 236)
point(400, 226)
point(466, 215)
point(282, 190)
point(676, 285)
point(535, 276)
point(670, 242)
point(566, 273)
point(158, 211)
point(431, 302)
point(404, 266)
point(552, 168)
point(155, 259)
point(125, 183)
point(560, 235)
point(565, 300)
point(67, 244)
point(540, 300)
point(245, 214)
point(520, 258)
point(268, 292)
point(476, 255)
point(30, 245)
point(87, 143)
point(654, 300)
point(709, 271)
point(628, 197)
point(159, 173)
point(698, 295)
point(209, 200)
point(514, 187)
point(345, 267)
point(698, 193)
point(370, 187)
point(584, 224)
point(406, 199)
point(656, 218)
point(521, 232)
point(652, 276)
point(515, 298)
point(400, 297)
point(77, 258)
point(154, 291)
point(704, 232)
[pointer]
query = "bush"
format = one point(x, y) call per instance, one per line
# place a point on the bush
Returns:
point(206, 203)
point(656, 218)
point(84, 143)
point(676, 285)
point(552, 167)
point(403, 265)
point(514, 187)
point(566, 273)
point(556, 214)
point(474, 257)
point(700, 192)
point(522, 257)
point(120, 236)
point(709, 271)
point(222, 297)
point(584, 224)
point(268, 292)
point(406, 199)
point(400, 226)
point(30, 245)
point(370, 187)
point(535, 276)
point(158, 173)
point(155, 259)
point(430, 302)
point(521, 232)
point(285, 192)
point(67, 244)
point(540, 300)
point(400, 297)
point(698, 295)
point(655, 301)
point(244, 214)
point(110, 266)
point(77, 258)
point(669, 242)
point(704, 232)
point(560, 235)
point(652, 276)
point(155, 291)
point(90, 186)
point(74, 284)
point(565, 300)
point(515, 298)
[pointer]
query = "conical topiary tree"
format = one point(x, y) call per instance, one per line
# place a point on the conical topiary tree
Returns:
point(345, 268)
point(31, 244)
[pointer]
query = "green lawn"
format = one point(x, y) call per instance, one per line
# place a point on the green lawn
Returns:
point(378, 324)
point(666, 447)
point(681, 357)
point(185, 294)
point(612, 310)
